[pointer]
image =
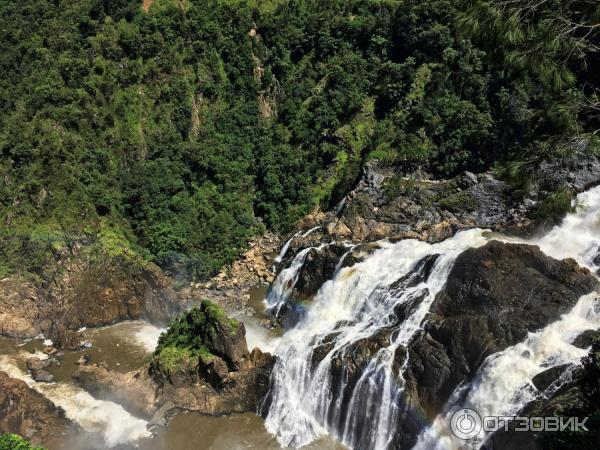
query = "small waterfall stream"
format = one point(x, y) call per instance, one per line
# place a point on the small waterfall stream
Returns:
point(359, 302)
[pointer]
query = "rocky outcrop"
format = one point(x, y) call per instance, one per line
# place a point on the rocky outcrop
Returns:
point(202, 364)
point(82, 289)
point(495, 295)
point(229, 288)
point(28, 413)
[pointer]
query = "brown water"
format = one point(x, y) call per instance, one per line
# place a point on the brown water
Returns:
point(126, 346)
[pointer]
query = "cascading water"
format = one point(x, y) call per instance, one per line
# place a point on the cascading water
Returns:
point(286, 246)
point(578, 236)
point(358, 303)
point(305, 402)
point(503, 385)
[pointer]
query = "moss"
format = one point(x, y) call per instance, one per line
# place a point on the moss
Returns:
point(217, 314)
point(397, 185)
point(171, 360)
point(555, 205)
point(190, 336)
point(461, 201)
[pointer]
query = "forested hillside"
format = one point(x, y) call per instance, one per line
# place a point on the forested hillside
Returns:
point(178, 133)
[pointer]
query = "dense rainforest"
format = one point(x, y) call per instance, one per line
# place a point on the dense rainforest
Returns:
point(178, 132)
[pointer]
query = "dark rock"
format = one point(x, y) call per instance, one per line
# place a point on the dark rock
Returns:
point(214, 370)
point(495, 296)
point(585, 339)
point(319, 267)
point(42, 376)
point(544, 380)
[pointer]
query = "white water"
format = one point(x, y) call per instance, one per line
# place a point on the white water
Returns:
point(303, 407)
point(286, 246)
point(503, 385)
point(115, 424)
point(282, 287)
point(578, 236)
point(147, 336)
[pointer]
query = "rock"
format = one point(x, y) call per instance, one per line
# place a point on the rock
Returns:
point(36, 363)
point(26, 412)
point(544, 380)
point(42, 376)
point(585, 339)
point(136, 390)
point(50, 350)
point(319, 266)
point(229, 380)
point(479, 312)
point(494, 297)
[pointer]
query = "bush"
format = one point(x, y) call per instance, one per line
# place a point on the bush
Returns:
point(15, 442)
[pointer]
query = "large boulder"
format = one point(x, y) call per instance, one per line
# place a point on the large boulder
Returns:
point(201, 364)
point(495, 295)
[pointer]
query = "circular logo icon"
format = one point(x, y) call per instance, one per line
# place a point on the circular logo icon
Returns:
point(465, 423)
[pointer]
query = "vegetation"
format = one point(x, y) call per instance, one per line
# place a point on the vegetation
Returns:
point(190, 337)
point(178, 133)
point(15, 442)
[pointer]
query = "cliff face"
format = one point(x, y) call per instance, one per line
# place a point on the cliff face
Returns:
point(84, 290)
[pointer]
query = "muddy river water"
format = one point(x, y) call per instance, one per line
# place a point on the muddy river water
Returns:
point(124, 347)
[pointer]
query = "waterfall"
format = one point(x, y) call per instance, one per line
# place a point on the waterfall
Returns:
point(578, 236)
point(360, 302)
point(281, 289)
point(503, 385)
point(357, 303)
point(286, 246)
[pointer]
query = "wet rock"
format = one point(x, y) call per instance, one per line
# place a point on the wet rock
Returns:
point(319, 267)
point(42, 376)
point(585, 339)
point(26, 412)
point(495, 295)
point(136, 390)
point(544, 380)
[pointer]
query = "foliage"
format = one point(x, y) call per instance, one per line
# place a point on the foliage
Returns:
point(189, 337)
point(179, 133)
point(15, 442)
